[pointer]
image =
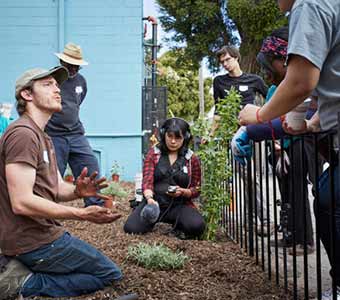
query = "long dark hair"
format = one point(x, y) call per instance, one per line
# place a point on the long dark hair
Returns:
point(178, 127)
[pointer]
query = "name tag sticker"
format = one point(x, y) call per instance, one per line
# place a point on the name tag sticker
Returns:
point(185, 169)
point(79, 89)
point(243, 88)
point(45, 156)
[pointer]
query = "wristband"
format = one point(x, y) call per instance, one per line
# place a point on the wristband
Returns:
point(258, 116)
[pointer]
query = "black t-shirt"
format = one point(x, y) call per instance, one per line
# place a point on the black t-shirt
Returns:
point(246, 84)
point(66, 122)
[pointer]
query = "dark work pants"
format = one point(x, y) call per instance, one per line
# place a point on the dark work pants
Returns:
point(294, 193)
point(329, 222)
point(184, 217)
point(77, 152)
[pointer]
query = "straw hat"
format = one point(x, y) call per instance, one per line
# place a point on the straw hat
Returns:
point(72, 54)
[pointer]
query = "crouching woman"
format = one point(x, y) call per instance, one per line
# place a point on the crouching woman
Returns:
point(171, 179)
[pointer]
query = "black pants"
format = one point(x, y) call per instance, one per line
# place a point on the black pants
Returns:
point(294, 190)
point(183, 217)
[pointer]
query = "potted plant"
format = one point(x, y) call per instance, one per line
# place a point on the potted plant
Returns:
point(113, 190)
point(68, 175)
point(116, 171)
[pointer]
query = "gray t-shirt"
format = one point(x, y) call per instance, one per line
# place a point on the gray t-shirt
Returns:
point(314, 33)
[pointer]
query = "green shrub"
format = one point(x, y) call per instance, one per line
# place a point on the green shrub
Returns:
point(216, 167)
point(114, 189)
point(156, 256)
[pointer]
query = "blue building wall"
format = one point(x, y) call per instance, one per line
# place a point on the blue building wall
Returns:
point(110, 34)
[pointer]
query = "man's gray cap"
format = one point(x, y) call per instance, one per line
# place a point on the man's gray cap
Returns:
point(150, 213)
point(60, 74)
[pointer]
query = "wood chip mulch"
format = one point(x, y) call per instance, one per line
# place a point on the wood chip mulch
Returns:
point(216, 270)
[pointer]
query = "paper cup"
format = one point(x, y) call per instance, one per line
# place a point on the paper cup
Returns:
point(296, 117)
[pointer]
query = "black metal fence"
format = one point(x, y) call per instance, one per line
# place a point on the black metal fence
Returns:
point(271, 214)
point(154, 111)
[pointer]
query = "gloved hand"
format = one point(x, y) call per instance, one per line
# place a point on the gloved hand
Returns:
point(240, 146)
point(282, 165)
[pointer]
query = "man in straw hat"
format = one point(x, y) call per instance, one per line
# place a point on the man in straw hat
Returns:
point(65, 127)
point(48, 260)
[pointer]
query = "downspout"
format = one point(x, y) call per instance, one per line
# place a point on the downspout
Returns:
point(61, 25)
point(154, 47)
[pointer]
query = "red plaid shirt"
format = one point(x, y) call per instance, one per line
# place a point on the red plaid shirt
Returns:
point(193, 165)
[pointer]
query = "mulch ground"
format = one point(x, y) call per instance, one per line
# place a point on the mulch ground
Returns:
point(216, 270)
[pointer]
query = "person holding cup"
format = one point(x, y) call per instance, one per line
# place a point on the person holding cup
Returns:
point(313, 63)
point(271, 59)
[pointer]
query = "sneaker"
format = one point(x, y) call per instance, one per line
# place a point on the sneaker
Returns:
point(177, 234)
point(281, 243)
point(12, 279)
point(300, 250)
point(265, 231)
point(328, 295)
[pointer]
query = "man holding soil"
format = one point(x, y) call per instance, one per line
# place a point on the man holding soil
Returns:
point(48, 260)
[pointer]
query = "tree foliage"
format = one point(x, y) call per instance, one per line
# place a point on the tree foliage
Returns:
point(199, 27)
point(182, 82)
point(255, 20)
point(196, 25)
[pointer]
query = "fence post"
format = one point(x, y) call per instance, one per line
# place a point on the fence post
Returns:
point(250, 209)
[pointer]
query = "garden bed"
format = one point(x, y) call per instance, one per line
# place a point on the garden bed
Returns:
point(216, 270)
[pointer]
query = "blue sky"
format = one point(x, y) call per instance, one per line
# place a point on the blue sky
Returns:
point(151, 9)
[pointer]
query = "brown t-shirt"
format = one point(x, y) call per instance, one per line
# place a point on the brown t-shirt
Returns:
point(25, 142)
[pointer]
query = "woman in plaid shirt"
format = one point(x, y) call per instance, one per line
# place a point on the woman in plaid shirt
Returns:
point(171, 179)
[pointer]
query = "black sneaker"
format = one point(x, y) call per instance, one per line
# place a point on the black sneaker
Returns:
point(300, 250)
point(281, 243)
point(178, 234)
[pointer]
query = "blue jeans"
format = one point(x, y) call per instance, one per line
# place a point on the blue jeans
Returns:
point(76, 150)
point(67, 267)
point(324, 217)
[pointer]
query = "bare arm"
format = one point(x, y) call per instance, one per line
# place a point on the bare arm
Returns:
point(293, 90)
point(85, 186)
point(25, 202)
point(65, 190)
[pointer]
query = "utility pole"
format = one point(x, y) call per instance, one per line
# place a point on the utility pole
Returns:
point(201, 89)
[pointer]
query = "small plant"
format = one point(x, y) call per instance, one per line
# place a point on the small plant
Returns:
point(156, 256)
point(68, 175)
point(116, 170)
point(114, 189)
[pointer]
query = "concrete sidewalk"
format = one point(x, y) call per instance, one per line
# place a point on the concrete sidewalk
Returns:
point(295, 267)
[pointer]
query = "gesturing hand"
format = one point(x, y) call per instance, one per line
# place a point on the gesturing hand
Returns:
point(89, 186)
point(99, 215)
